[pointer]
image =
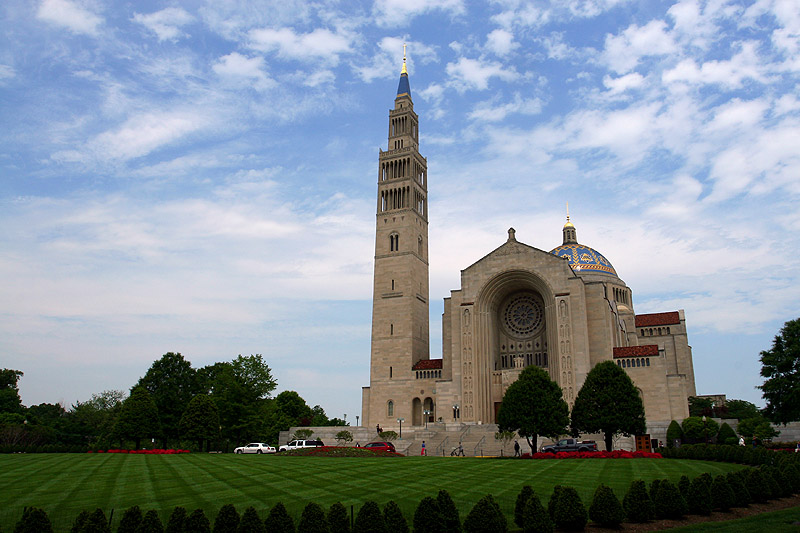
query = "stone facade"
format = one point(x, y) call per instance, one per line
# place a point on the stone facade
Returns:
point(564, 310)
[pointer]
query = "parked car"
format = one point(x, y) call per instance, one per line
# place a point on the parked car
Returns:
point(571, 445)
point(381, 446)
point(298, 444)
point(255, 447)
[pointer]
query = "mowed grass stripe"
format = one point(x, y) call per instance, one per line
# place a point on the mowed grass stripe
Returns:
point(67, 484)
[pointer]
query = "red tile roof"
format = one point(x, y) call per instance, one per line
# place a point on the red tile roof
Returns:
point(636, 351)
point(658, 319)
point(428, 364)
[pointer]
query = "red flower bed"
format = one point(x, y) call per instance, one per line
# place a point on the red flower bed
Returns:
point(144, 452)
point(615, 454)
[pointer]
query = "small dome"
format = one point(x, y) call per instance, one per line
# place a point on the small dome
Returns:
point(583, 258)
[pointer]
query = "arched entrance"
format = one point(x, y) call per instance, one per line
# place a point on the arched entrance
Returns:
point(416, 412)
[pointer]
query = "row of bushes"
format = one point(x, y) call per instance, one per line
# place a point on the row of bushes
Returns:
point(731, 454)
point(600, 454)
point(565, 509)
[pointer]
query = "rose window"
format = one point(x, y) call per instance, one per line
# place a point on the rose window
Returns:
point(523, 316)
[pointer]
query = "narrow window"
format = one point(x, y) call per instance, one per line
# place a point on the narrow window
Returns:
point(391, 329)
point(390, 371)
point(392, 284)
point(390, 408)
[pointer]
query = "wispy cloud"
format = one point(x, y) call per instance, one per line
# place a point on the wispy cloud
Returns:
point(71, 15)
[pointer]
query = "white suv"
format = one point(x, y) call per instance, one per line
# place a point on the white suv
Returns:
point(297, 444)
point(255, 447)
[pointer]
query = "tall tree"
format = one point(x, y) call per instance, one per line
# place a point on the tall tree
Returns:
point(781, 368)
point(138, 417)
point(173, 383)
point(741, 409)
point(10, 402)
point(200, 421)
point(608, 403)
point(532, 406)
point(94, 419)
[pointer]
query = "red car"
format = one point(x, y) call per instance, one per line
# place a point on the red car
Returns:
point(380, 446)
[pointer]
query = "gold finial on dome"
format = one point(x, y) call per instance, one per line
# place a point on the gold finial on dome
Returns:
point(568, 224)
point(404, 71)
point(570, 235)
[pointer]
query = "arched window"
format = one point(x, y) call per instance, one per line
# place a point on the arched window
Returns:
point(390, 408)
point(394, 242)
point(419, 245)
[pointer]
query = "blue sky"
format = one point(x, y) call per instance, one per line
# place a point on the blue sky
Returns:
point(201, 176)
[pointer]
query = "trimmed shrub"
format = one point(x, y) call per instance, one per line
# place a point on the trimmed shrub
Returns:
point(551, 504)
point(722, 496)
point(519, 506)
point(700, 496)
point(784, 486)
point(772, 484)
point(569, 513)
point(177, 521)
point(33, 520)
point(485, 517)
point(250, 522)
point(279, 521)
point(197, 522)
point(605, 509)
point(369, 519)
point(227, 520)
point(741, 497)
point(428, 517)
point(669, 503)
point(150, 523)
point(130, 520)
point(683, 486)
point(637, 503)
point(80, 522)
point(674, 433)
point(313, 519)
point(393, 516)
point(338, 521)
point(654, 489)
point(96, 523)
point(792, 474)
point(534, 518)
point(726, 435)
point(449, 512)
point(757, 485)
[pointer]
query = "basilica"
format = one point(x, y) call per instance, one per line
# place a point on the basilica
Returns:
point(564, 310)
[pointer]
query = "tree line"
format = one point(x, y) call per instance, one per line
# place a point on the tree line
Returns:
point(218, 406)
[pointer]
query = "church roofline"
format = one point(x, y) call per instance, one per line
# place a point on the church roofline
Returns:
point(658, 319)
point(512, 241)
point(648, 350)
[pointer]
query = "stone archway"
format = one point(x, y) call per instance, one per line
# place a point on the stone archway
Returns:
point(416, 412)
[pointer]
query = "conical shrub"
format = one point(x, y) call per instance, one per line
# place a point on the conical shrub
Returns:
point(197, 522)
point(428, 517)
point(654, 489)
point(313, 519)
point(97, 522)
point(637, 503)
point(250, 522)
point(535, 518)
point(683, 485)
point(34, 520)
point(177, 521)
point(393, 516)
point(792, 474)
point(569, 513)
point(369, 519)
point(150, 523)
point(741, 497)
point(449, 512)
point(485, 517)
point(519, 506)
point(551, 504)
point(722, 496)
point(338, 519)
point(669, 503)
point(699, 500)
point(606, 510)
point(80, 522)
point(757, 486)
point(130, 520)
point(278, 520)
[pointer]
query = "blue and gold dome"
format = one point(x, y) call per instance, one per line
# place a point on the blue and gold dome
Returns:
point(583, 258)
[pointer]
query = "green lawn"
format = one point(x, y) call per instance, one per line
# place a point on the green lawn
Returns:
point(65, 484)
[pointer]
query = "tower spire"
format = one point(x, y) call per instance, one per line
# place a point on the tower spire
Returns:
point(404, 88)
point(570, 234)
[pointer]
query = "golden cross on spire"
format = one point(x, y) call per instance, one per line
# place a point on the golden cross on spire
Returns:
point(567, 211)
point(404, 71)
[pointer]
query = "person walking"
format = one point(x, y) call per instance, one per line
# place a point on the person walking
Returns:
point(516, 448)
point(423, 449)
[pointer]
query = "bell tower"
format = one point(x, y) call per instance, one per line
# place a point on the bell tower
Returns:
point(400, 329)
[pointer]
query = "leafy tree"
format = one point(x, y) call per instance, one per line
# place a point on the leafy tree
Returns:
point(369, 519)
point(781, 367)
point(394, 519)
point(449, 512)
point(698, 430)
point(674, 433)
point(302, 434)
point(10, 402)
point(757, 427)
point(279, 521)
point(505, 437)
point(700, 406)
point(93, 420)
point(344, 436)
point(388, 435)
point(532, 406)
point(338, 520)
point(200, 421)
point(741, 409)
point(608, 403)
point(726, 434)
point(486, 516)
point(197, 522)
point(428, 517)
point(606, 510)
point(172, 382)
point(250, 522)
point(138, 417)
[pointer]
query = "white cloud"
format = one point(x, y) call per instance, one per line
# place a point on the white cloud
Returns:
point(621, 84)
point(475, 73)
point(320, 43)
point(501, 42)
point(623, 52)
point(744, 65)
point(166, 24)
point(402, 12)
point(70, 15)
point(6, 72)
point(490, 112)
point(236, 67)
point(386, 61)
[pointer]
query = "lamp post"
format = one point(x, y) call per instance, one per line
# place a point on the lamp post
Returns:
point(356, 420)
point(427, 413)
point(705, 429)
point(400, 421)
point(455, 411)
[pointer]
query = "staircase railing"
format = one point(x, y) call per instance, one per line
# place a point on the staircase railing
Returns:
point(441, 446)
point(479, 445)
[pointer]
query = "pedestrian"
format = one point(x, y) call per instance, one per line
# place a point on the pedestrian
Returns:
point(423, 449)
point(378, 428)
point(741, 441)
point(796, 450)
point(516, 448)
